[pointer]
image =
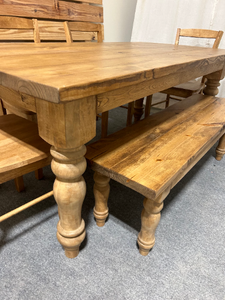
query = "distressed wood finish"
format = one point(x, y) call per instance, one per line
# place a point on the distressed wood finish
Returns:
point(71, 82)
point(48, 9)
point(122, 71)
point(153, 155)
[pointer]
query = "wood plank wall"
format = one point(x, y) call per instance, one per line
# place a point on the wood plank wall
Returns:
point(85, 10)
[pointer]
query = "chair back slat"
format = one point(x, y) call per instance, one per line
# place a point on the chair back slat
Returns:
point(53, 9)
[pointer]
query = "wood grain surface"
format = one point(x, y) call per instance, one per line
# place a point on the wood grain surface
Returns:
point(154, 154)
point(61, 72)
point(49, 9)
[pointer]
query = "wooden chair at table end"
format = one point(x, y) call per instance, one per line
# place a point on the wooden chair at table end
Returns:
point(21, 151)
point(89, 32)
point(92, 32)
point(15, 29)
point(187, 89)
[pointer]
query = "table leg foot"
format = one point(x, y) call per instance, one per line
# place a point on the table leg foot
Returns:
point(69, 192)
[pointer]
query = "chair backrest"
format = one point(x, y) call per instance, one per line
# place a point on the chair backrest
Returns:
point(80, 31)
point(200, 33)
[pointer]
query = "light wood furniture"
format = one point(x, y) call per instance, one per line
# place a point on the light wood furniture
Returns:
point(87, 31)
point(151, 156)
point(91, 32)
point(73, 82)
point(21, 151)
point(183, 90)
point(15, 29)
point(196, 86)
point(48, 24)
point(20, 23)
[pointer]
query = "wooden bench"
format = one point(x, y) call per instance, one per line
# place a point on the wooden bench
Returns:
point(151, 156)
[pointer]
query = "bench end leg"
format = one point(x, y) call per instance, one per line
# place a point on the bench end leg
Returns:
point(150, 218)
point(101, 193)
point(220, 150)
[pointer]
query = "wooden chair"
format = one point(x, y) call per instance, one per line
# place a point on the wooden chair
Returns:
point(192, 87)
point(87, 32)
point(15, 29)
point(183, 90)
point(21, 151)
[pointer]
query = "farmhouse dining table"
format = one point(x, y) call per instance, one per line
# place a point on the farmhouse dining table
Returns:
point(66, 85)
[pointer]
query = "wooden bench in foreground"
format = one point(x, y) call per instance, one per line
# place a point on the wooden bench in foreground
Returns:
point(151, 156)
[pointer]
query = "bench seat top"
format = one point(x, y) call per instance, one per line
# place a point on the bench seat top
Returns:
point(154, 154)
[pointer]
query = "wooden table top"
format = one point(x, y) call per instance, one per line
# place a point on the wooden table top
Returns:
point(61, 72)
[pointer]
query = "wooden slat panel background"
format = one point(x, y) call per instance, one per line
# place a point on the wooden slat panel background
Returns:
point(54, 31)
point(61, 10)
point(16, 35)
point(13, 22)
point(89, 1)
point(51, 31)
point(84, 36)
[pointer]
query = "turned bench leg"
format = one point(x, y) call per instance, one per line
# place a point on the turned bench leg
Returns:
point(150, 218)
point(101, 193)
point(220, 150)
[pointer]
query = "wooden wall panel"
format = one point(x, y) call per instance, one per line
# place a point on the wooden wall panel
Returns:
point(16, 35)
point(52, 9)
point(89, 1)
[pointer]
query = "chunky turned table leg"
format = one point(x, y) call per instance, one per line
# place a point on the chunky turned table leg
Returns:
point(138, 110)
point(220, 150)
point(211, 87)
point(101, 193)
point(69, 192)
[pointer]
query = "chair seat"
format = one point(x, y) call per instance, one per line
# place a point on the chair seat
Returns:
point(21, 148)
point(193, 85)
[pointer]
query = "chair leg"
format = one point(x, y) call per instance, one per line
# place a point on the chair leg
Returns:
point(19, 184)
point(148, 105)
point(39, 174)
point(130, 113)
point(138, 110)
point(220, 150)
point(105, 116)
point(167, 100)
point(101, 193)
